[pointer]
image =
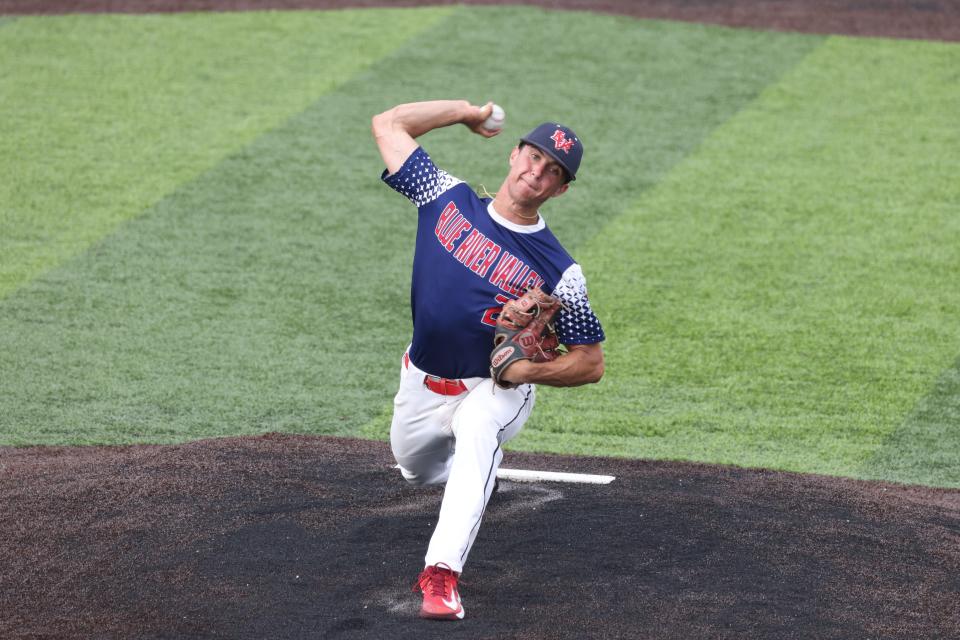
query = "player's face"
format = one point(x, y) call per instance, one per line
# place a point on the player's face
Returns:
point(534, 176)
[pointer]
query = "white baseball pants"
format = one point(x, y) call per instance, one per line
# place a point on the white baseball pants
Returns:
point(457, 440)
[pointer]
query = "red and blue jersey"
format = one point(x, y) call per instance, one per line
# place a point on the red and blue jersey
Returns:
point(468, 262)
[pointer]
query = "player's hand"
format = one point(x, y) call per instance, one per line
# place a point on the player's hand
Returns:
point(475, 118)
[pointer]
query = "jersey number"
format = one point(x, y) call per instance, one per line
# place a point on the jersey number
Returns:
point(490, 315)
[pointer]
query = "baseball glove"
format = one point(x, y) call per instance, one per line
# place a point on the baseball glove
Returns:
point(525, 332)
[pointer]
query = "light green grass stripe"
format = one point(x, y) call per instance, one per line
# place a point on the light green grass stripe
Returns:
point(101, 116)
point(789, 293)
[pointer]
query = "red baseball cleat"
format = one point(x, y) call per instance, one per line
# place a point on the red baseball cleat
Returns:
point(441, 600)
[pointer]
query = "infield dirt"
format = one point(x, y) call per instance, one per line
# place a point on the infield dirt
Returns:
point(307, 537)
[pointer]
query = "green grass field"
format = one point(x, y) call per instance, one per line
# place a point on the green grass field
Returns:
point(192, 222)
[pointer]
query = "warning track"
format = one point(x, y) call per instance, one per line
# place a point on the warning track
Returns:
point(926, 19)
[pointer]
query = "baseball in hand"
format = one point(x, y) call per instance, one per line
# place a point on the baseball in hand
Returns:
point(496, 119)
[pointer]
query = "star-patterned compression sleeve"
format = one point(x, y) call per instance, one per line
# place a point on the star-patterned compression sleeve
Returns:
point(468, 261)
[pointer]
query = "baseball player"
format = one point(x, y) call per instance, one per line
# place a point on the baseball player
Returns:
point(474, 254)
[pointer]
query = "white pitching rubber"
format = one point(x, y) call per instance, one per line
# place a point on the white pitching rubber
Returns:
point(524, 475)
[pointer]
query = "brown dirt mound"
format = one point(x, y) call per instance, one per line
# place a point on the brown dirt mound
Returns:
point(307, 537)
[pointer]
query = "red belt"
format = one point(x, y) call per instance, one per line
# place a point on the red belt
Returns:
point(442, 386)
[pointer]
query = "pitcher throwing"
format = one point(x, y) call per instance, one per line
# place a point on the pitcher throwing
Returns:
point(455, 409)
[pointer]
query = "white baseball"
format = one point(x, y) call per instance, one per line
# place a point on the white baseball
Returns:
point(496, 119)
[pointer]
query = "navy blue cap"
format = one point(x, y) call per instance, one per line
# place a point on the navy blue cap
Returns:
point(558, 142)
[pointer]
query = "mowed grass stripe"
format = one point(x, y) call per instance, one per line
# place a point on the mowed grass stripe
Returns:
point(788, 294)
point(923, 448)
point(232, 307)
point(101, 116)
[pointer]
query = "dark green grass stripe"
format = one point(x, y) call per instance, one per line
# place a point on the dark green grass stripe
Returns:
point(923, 448)
point(232, 306)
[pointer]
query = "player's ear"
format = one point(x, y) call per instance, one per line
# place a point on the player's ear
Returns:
point(562, 189)
point(514, 154)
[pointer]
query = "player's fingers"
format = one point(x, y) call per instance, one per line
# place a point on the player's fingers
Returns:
point(477, 115)
point(475, 122)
